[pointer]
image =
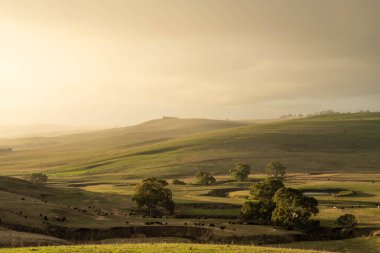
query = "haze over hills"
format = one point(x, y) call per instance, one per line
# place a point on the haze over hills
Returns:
point(172, 146)
point(40, 130)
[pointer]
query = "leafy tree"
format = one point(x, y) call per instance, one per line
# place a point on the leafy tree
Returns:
point(256, 211)
point(260, 209)
point(346, 221)
point(151, 192)
point(275, 169)
point(178, 182)
point(240, 172)
point(204, 178)
point(293, 208)
point(265, 190)
point(38, 178)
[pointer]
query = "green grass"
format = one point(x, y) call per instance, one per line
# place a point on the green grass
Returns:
point(145, 248)
point(355, 245)
point(343, 142)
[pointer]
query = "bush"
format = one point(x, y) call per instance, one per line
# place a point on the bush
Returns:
point(178, 182)
point(204, 178)
point(38, 178)
point(346, 221)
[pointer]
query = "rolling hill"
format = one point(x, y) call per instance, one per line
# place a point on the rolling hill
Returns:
point(170, 147)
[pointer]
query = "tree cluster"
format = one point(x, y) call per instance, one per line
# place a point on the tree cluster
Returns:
point(272, 202)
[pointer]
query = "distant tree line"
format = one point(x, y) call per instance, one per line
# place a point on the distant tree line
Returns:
point(327, 112)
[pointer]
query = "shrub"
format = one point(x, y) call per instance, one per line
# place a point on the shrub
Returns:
point(346, 221)
point(38, 178)
point(204, 178)
point(178, 182)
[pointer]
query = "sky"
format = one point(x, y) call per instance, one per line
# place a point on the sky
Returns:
point(120, 62)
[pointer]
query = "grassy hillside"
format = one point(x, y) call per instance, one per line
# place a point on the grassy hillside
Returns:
point(174, 147)
point(144, 248)
point(355, 245)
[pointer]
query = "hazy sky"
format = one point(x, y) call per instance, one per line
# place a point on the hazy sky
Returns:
point(116, 62)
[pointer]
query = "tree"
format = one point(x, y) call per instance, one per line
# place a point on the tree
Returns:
point(256, 211)
point(260, 207)
point(293, 208)
point(38, 178)
point(265, 190)
point(178, 182)
point(346, 221)
point(240, 172)
point(275, 169)
point(151, 192)
point(204, 178)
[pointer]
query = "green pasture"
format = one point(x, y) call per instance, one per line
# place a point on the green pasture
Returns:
point(145, 248)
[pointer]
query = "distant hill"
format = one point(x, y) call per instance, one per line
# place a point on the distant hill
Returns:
point(168, 147)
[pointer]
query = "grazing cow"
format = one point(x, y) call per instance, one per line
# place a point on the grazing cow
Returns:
point(211, 225)
point(222, 227)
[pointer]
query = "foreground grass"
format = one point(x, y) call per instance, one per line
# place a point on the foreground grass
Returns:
point(355, 245)
point(144, 248)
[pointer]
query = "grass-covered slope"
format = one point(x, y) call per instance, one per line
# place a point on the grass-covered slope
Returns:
point(171, 147)
point(355, 245)
point(154, 248)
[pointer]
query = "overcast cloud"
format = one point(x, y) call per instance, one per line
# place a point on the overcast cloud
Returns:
point(93, 62)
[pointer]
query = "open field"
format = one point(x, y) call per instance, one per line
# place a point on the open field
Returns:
point(145, 248)
point(176, 147)
point(217, 203)
point(334, 158)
